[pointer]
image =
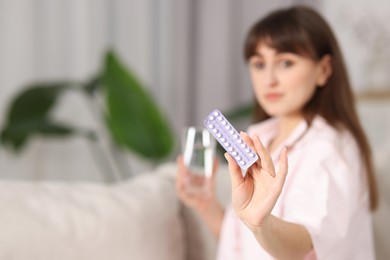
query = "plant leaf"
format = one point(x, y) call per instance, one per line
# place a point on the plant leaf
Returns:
point(16, 134)
point(28, 115)
point(35, 101)
point(92, 85)
point(135, 121)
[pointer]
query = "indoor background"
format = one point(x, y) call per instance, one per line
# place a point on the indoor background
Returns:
point(188, 54)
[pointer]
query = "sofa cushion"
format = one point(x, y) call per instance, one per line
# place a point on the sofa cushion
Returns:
point(202, 244)
point(135, 219)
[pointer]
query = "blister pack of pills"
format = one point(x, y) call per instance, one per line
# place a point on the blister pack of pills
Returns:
point(230, 139)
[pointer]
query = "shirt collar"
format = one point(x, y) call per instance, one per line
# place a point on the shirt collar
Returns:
point(269, 129)
point(296, 134)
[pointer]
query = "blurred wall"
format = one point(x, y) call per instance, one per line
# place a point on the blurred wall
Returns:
point(44, 40)
point(47, 40)
point(189, 54)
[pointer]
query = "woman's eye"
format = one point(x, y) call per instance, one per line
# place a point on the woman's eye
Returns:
point(258, 65)
point(286, 63)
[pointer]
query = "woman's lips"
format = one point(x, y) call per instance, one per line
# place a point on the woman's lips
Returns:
point(273, 96)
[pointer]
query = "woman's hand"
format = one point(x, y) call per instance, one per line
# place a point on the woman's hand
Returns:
point(205, 204)
point(198, 201)
point(254, 196)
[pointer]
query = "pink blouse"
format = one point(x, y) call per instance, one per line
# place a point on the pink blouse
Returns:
point(325, 191)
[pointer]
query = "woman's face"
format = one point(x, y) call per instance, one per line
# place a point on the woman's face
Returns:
point(283, 82)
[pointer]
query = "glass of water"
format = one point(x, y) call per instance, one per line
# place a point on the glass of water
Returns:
point(198, 148)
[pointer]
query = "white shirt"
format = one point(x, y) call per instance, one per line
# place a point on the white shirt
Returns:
point(325, 190)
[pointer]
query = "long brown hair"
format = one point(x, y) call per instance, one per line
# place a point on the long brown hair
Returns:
point(303, 31)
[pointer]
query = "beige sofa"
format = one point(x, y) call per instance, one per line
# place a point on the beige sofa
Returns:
point(137, 219)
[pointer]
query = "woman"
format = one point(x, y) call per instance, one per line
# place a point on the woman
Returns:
point(305, 110)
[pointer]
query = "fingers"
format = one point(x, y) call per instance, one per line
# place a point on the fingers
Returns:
point(215, 168)
point(248, 140)
point(265, 159)
point(183, 175)
point(179, 162)
point(181, 172)
point(234, 170)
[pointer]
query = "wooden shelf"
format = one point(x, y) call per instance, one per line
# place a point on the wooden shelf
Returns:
point(373, 95)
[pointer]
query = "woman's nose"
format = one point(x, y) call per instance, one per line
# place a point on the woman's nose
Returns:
point(270, 77)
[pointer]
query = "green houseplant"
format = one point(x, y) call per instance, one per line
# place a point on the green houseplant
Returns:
point(130, 115)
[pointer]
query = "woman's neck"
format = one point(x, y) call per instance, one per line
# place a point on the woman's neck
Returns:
point(286, 125)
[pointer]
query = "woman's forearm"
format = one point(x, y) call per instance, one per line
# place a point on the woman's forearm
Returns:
point(282, 239)
point(213, 217)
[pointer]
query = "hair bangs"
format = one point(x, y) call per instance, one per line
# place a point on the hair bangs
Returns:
point(283, 35)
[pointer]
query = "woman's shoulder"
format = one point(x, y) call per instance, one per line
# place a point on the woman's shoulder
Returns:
point(323, 131)
point(320, 131)
point(328, 141)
